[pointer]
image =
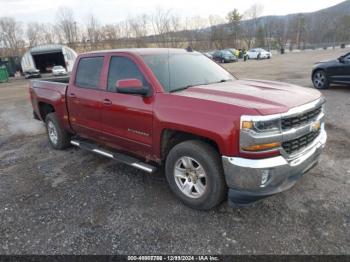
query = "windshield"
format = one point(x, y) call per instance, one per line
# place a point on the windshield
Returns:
point(226, 52)
point(58, 67)
point(179, 71)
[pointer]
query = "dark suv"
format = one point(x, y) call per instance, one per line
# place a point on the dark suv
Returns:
point(332, 71)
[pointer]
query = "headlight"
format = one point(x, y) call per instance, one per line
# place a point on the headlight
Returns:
point(260, 134)
point(262, 126)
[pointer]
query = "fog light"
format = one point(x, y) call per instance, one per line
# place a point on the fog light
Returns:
point(265, 177)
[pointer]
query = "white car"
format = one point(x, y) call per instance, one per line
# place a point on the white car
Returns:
point(59, 71)
point(258, 53)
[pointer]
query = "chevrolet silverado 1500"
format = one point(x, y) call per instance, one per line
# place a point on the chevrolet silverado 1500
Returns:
point(215, 135)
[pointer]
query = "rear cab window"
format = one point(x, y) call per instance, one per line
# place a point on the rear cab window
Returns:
point(89, 72)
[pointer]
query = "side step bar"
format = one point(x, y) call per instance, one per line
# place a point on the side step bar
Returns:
point(114, 155)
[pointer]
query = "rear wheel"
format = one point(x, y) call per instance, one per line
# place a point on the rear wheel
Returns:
point(59, 138)
point(320, 80)
point(194, 173)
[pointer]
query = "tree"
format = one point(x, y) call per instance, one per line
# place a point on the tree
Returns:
point(251, 24)
point(164, 23)
point(139, 28)
point(217, 32)
point(260, 37)
point(35, 34)
point(67, 25)
point(11, 35)
point(279, 29)
point(234, 18)
point(93, 33)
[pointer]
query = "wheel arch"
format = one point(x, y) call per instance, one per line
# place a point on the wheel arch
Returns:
point(172, 137)
point(45, 108)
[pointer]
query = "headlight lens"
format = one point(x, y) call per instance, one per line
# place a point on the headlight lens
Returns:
point(262, 126)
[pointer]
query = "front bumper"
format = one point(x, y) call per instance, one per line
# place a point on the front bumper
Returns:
point(250, 180)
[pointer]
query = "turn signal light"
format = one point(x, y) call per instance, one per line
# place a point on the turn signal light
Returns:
point(247, 124)
point(262, 147)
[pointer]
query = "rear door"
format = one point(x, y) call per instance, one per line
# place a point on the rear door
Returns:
point(84, 97)
point(127, 120)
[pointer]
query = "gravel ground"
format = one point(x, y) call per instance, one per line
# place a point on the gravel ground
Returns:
point(75, 202)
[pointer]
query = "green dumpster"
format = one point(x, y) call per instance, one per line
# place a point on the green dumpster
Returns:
point(4, 77)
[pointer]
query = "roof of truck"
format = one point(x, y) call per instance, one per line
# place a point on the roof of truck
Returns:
point(141, 51)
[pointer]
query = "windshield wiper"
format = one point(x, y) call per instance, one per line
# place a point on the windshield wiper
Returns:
point(185, 87)
point(223, 81)
point(188, 86)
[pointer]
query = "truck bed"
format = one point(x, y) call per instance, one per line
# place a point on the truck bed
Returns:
point(49, 95)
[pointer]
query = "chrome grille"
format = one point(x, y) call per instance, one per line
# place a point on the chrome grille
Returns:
point(302, 119)
point(297, 144)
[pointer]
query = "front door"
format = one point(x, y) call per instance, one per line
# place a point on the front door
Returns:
point(127, 120)
point(340, 73)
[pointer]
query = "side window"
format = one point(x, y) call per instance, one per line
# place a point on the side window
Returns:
point(122, 68)
point(89, 72)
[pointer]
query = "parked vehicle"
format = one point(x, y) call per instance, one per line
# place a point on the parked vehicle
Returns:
point(235, 52)
point(224, 56)
point(213, 133)
point(59, 71)
point(259, 53)
point(31, 73)
point(331, 72)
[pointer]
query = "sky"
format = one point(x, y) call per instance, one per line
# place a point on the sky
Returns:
point(113, 11)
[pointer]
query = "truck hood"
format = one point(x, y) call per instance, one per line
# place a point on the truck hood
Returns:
point(267, 97)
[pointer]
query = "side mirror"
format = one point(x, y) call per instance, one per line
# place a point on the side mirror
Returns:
point(341, 59)
point(131, 86)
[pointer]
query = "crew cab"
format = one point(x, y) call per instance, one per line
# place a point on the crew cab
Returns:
point(215, 135)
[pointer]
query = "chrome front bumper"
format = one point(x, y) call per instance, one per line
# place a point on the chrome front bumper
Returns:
point(252, 179)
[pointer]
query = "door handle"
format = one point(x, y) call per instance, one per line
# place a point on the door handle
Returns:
point(107, 102)
point(72, 95)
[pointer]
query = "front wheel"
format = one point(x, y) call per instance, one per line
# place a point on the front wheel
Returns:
point(194, 173)
point(320, 80)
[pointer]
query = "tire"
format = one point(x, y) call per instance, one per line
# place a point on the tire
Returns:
point(223, 61)
point(58, 137)
point(320, 79)
point(203, 188)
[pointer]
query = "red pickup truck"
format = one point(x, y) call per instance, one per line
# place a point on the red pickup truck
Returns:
point(215, 135)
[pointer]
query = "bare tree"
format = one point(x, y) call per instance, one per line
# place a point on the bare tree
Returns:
point(67, 24)
point(35, 34)
point(279, 31)
point(93, 32)
point(251, 24)
point(164, 24)
point(139, 28)
point(217, 32)
point(11, 34)
point(93, 28)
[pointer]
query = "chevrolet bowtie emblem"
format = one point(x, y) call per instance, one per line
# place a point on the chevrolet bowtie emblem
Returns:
point(315, 126)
